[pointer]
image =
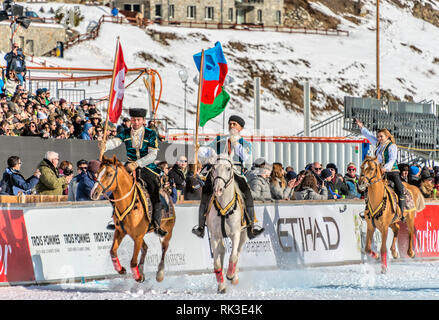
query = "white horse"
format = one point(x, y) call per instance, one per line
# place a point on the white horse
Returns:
point(224, 220)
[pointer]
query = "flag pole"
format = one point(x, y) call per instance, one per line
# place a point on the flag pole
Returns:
point(110, 96)
point(197, 124)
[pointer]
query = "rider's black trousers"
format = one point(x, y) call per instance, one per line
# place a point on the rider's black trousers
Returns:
point(396, 179)
point(152, 185)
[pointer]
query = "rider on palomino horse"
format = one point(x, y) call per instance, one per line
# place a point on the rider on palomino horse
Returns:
point(242, 151)
point(141, 145)
point(386, 153)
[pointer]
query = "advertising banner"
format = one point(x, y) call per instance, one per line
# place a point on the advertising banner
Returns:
point(426, 240)
point(15, 257)
point(69, 242)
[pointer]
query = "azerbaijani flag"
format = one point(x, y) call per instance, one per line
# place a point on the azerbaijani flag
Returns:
point(213, 96)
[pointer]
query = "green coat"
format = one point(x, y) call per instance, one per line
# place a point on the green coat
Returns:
point(50, 182)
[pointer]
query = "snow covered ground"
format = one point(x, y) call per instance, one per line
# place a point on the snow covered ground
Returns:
point(403, 281)
point(335, 66)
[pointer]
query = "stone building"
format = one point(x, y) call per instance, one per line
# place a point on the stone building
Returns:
point(258, 12)
point(37, 40)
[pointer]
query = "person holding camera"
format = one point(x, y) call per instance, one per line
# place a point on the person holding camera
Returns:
point(15, 61)
point(13, 182)
point(86, 181)
point(51, 183)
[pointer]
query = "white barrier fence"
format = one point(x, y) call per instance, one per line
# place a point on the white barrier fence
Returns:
point(60, 242)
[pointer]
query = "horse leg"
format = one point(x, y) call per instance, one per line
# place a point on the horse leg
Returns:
point(411, 230)
point(138, 243)
point(218, 258)
point(368, 248)
point(117, 239)
point(395, 229)
point(143, 251)
point(233, 260)
point(383, 250)
point(161, 269)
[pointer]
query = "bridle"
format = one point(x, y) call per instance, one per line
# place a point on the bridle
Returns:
point(369, 180)
point(230, 180)
point(105, 189)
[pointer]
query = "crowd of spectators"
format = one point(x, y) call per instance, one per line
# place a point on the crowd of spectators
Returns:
point(274, 182)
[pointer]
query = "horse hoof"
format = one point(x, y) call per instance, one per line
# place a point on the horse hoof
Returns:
point(160, 276)
point(411, 255)
point(221, 291)
point(395, 254)
point(122, 271)
point(235, 281)
point(383, 270)
point(140, 279)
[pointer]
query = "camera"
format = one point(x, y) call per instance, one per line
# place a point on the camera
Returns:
point(68, 172)
point(14, 12)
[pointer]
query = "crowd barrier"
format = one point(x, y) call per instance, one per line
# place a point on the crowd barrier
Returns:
point(43, 243)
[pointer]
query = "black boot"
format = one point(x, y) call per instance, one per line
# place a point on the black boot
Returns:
point(157, 217)
point(199, 231)
point(111, 226)
point(252, 231)
point(401, 204)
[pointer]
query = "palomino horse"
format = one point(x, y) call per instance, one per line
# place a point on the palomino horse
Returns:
point(382, 210)
point(225, 219)
point(130, 217)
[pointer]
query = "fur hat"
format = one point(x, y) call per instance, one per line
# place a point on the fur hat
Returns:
point(332, 166)
point(137, 113)
point(237, 119)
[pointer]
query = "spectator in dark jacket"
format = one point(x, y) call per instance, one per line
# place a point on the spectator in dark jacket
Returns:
point(351, 179)
point(194, 183)
point(414, 176)
point(178, 173)
point(404, 172)
point(15, 61)
point(86, 181)
point(13, 182)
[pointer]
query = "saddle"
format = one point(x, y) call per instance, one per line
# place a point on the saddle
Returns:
point(230, 207)
point(391, 195)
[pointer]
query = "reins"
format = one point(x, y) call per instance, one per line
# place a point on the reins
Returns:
point(105, 189)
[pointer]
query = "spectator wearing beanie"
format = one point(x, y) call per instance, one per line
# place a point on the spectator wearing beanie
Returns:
point(351, 180)
point(414, 176)
point(86, 181)
point(326, 177)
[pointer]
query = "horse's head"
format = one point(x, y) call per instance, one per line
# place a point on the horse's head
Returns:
point(370, 170)
point(222, 174)
point(106, 177)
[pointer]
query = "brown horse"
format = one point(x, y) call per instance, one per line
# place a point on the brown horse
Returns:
point(382, 210)
point(130, 216)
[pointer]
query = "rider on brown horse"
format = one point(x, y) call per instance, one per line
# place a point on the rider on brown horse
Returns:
point(242, 150)
point(386, 153)
point(141, 146)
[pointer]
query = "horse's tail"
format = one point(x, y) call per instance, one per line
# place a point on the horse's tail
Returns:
point(420, 203)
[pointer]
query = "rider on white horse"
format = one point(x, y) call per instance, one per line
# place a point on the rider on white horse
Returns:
point(386, 152)
point(241, 152)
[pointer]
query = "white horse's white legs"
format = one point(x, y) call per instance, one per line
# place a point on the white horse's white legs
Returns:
point(218, 258)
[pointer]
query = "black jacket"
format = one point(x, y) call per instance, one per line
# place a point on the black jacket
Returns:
point(178, 177)
point(15, 62)
point(193, 188)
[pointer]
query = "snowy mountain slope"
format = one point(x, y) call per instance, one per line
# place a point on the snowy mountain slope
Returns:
point(335, 66)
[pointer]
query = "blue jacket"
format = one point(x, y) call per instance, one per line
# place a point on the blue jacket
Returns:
point(13, 182)
point(2, 84)
point(85, 184)
point(84, 134)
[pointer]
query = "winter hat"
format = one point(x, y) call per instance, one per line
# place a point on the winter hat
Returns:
point(414, 170)
point(93, 166)
point(425, 175)
point(332, 166)
point(259, 162)
point(291, 175)
point(237, 119)
point(325, 173)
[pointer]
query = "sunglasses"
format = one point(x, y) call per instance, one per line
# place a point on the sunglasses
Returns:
point(317, 169)
point(352, 169)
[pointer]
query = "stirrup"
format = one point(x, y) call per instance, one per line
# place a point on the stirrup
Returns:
point(160, 232)
point(198, 231)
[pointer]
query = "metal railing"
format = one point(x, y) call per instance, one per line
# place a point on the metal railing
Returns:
point(330, 127)
point(415, 126)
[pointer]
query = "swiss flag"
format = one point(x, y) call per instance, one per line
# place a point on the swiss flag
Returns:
point(118, 90)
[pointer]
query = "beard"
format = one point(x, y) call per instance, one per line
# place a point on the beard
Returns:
point(233, 132)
